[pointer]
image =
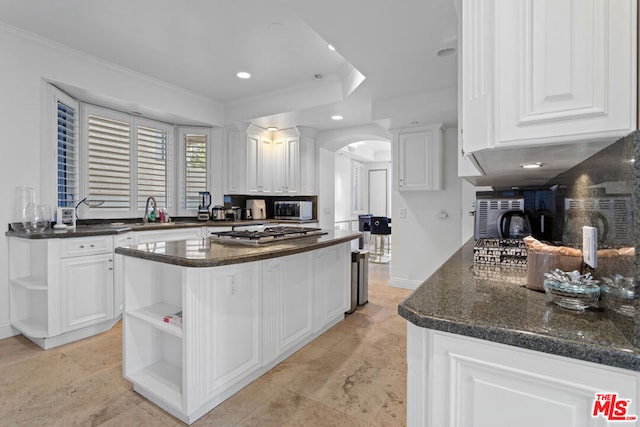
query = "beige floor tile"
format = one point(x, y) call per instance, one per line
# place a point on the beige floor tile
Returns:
point(352, 375)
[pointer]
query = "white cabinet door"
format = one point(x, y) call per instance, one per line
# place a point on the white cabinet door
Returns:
point(287, 303)
point(286, 165)
point(420, 159)
point(279, 158)
point(480, 383)
point(259, 169)
point(86, 291)
point(332, 284)
point(236, 165)
point(547, 72)
point(230, 319)
point(307, 161)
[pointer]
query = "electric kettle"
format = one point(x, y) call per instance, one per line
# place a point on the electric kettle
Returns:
point(514, 225)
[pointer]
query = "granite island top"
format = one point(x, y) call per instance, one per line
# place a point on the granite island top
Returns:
point(469, 300)
point(205, 253)
point(105, 228)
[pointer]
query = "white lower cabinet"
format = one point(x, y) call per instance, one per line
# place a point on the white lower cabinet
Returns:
point(287, 303)
point(238, 321)
point(460, 381)
point(331, 296)
point(188, 233)
point(61, 290)
point(86, 291)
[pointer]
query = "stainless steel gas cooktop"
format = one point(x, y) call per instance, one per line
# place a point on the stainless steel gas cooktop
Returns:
point(266, 235)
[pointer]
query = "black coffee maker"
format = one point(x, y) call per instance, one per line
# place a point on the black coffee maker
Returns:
point(514, 225)
point(205, 202)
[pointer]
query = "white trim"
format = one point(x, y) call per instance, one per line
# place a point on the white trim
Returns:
point(7, 331)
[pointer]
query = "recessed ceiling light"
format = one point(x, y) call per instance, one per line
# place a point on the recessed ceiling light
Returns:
point(330, 46)
point(336, 117)
point(446, 51)
point(531, 165)
point(272, 128)
point(243, 75)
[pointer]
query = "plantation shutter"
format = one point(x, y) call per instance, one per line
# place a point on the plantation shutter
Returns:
point(109, 162)
point(67, 172)
point(152, 165)
point(195, 178)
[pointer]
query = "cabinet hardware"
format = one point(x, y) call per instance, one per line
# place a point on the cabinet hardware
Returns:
point(81, 246)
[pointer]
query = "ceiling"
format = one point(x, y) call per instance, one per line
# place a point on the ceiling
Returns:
point(200, 45)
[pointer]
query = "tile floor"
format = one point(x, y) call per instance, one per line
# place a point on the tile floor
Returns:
point(352, 375)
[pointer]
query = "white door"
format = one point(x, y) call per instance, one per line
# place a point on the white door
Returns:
point(378, 192)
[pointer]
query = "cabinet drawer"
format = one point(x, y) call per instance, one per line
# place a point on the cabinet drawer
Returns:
point(86, 246)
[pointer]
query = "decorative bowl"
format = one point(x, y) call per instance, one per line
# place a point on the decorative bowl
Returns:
point(572, 295)
point(618, 294)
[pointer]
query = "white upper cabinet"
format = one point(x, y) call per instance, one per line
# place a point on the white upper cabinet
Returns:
point(420, 158)
point(261, 162)
point(547, 71)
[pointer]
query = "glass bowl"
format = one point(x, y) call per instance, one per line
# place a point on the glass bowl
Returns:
point(572, 295)
point(618, 295)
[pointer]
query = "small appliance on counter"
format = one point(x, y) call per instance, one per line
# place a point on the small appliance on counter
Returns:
point(218, 213)
point(203, 209)
point(488, 214)
point(514, 225)
point(293, 209)
point(258, 208)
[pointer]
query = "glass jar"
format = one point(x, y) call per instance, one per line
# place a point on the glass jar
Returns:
point(24, 198)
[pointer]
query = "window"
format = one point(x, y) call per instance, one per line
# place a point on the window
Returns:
point(120, 160)
point(127, 160)
point(356, 186)
point(109, 162)
point(67, 161)
point(152, 165)
point(195, 172)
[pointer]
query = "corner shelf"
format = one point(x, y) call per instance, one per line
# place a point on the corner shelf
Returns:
point(153, 315)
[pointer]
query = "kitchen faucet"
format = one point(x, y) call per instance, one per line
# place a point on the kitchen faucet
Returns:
point(145, 218)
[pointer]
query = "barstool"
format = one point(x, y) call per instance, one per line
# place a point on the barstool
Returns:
point(380, 235)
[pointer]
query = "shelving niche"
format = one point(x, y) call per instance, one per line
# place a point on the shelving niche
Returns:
point(28, 268)
point(153, 358)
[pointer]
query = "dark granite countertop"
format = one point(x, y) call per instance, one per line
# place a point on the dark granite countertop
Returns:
point(117, 227)
point(205, 253)
point(495, 306)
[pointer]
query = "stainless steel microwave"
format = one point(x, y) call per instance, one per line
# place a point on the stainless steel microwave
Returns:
point(293, 209)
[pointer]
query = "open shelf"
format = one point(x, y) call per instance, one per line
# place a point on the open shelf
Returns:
point(164, 379)
point(154, 314)
point(31, 327)
point(30, 283)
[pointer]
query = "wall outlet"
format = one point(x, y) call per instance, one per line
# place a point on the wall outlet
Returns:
point(590, 246)
point(403, 212)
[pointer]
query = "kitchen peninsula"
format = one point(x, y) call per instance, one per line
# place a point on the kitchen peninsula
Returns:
point(240, 309)
point(484, 350)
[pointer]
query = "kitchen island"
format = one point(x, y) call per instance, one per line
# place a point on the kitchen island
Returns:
point(204, 319)
point(484, 350)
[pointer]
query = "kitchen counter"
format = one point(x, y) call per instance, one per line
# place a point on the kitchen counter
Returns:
point(117, 227)
point(205, 253)
point(464, 299)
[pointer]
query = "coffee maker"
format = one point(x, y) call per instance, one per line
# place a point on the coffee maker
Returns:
point(205, 202)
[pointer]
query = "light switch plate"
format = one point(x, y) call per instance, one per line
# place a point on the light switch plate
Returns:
point(590, 246)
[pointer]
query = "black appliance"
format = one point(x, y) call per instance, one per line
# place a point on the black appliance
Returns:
point(488, 212)
point(513, 225)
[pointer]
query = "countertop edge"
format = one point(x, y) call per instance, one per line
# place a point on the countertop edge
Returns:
point(200, 263)
point(614, 356)
point(589, 352)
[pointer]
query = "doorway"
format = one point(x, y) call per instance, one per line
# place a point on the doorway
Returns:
point(378, 192)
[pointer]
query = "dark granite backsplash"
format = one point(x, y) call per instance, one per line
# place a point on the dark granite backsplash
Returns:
point(610, 179)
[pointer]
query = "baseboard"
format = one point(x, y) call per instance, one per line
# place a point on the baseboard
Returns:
point(7, 331)
point(397, 282)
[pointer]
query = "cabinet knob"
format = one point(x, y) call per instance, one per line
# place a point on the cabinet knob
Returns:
point(92, 246)
point(110, 268)
point(81, 246)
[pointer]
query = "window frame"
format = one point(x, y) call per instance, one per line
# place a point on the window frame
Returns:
point(179, 195)
point(133, 211)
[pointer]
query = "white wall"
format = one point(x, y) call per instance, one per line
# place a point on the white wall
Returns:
point(342, 196)
point(27, 61)
point(423, 241)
